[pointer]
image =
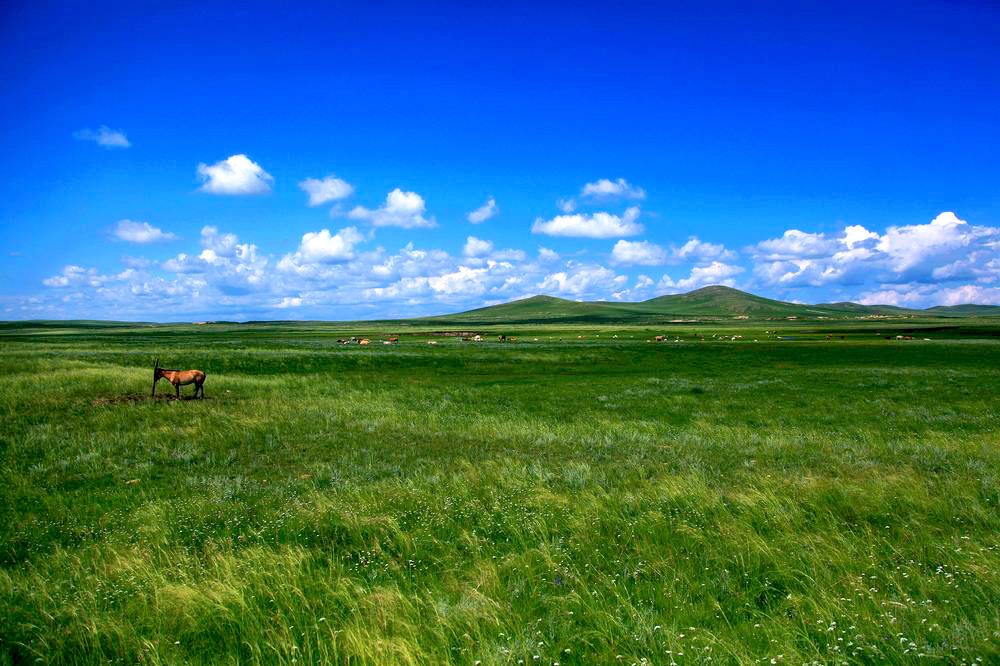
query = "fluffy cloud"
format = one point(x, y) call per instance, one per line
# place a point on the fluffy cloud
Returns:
point(716, 272)
point(327, 189)
point(321, 246)
point(474, 247)
point(916, 248)
point(103, 136)
point(77, 276)
point(795, 244)
point(582, 280)
point(401, 209)
point(547, 256)
point(608, 189)
point(332, 275)
point(227, 264)
point(140, 232)
point(289, 302)
point(641, 253)
point(566, 205)
point(462, 283)
point(945, 249)
point(700, 251)
point(484, 212)
point(920, 295)
point(237, 174)
point(597, 225)
point(640, 291)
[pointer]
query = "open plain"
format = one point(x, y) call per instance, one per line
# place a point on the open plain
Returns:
point(808, 492)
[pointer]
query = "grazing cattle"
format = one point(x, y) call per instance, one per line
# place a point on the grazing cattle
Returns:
point(661, 338)
point(432, 342)
point(340, 341)
point(179, 378)
point(363, 341)
point(501, 338)
point(477, 338)
point(394, 338)
point(511, 339)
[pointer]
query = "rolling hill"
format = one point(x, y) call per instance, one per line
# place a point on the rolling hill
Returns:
point(708, 302)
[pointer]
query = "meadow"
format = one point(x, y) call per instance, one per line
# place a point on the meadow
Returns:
point(582, 496)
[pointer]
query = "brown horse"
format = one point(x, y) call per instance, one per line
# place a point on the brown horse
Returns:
point(180, 378)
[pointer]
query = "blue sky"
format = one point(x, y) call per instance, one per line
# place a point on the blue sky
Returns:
point(160, 162)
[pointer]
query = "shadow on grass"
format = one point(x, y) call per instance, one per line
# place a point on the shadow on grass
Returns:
point(131, 398)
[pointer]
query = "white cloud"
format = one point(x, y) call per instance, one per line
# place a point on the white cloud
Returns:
point(566, 205)
point(103, 136)
point(401, 209)
point(640, 291)
point(331, 275)
point(916, 295)
point(484, 212)
point(856, 235)
point(642, 253)
point(582, 280)
point(716, 272)
point(237, 174)
point(140, 232)
point(77, 276)
point(289, 302)
point(223, 263)
point(320, 246)
point(607, 189)
point(466, 281)
point(319, 252)
point(969, 293)
point(795, 244)
point(945, 249)
point(699, 251)
point(913, 247)
point(453, 286)
point(508, 254)
point(327, 189)
point(224, 245)
point(598, 225)
point(547, 256)
point(474, 247)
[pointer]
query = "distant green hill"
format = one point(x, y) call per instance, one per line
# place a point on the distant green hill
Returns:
point(966, 310)
point(722, 301)
point(707, 302)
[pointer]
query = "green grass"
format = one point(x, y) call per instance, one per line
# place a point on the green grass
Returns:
point(581, 499)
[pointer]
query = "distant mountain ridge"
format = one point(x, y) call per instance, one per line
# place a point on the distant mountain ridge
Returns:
point(710, 302)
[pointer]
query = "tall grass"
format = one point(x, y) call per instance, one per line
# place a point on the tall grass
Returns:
point(572, 502)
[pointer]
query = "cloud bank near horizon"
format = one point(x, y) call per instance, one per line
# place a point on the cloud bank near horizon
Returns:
point(345, 273)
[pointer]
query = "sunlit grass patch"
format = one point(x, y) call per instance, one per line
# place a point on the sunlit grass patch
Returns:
point(580, 502)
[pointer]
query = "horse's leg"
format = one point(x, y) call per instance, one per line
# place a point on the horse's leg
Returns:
point(178, 387)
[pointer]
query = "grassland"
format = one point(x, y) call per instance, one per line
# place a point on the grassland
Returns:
point(582, 496)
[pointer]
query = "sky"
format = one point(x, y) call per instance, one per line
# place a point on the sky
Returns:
point(198, 161)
